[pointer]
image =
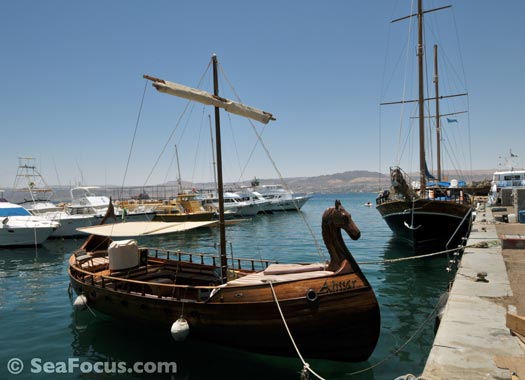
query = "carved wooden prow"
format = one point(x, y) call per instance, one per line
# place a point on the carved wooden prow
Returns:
point(336, 219)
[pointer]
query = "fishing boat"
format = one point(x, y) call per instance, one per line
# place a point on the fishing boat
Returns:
point(39, 202)
point(328, 309)
point(431, 214)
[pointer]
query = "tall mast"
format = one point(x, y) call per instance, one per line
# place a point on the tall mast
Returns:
point(179, 180)
point(220, 187)
point(421, 98)
point(438, 119)
point(215, 100)
point(213, 154)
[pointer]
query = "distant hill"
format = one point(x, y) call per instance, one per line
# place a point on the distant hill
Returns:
point(357, 181)
point(349, 181)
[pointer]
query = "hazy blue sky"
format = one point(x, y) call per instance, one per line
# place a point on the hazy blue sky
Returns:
point(71, 85)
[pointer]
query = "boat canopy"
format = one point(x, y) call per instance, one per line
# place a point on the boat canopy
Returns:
point(11, 209)
point(150, 228)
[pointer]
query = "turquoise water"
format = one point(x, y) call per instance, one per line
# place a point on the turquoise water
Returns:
point(39, 326)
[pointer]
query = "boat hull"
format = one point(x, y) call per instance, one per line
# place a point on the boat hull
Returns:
point(289, 204)
point(428, 225)
point(69, 224)
point(342, 323)
point(18, 237)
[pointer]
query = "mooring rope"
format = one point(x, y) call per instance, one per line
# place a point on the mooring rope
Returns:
point(484, 244)
point(306, 366)
point(386, 261)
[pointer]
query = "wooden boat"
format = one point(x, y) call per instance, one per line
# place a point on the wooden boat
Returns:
point(431, 216)
point(330, 308)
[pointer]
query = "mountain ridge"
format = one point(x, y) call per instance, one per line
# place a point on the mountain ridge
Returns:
point(343, 182)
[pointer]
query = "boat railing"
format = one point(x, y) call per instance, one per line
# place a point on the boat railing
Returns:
point(144, 288)
point(237, 263)
point(451, 195)
point(121, 282)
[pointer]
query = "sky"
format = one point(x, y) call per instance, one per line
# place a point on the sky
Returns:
point(72, 93)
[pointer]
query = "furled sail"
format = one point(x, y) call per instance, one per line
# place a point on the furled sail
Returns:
point(204, 97)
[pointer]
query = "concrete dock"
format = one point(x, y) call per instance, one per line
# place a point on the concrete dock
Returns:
point(473, 337)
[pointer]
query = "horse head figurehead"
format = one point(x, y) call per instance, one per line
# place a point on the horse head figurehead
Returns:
point(339, 218)
point(336, 219)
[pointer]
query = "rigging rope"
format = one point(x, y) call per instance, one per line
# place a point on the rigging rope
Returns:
point(176, 127)
point(134, 135)
point(281, 178)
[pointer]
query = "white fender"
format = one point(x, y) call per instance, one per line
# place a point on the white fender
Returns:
point(80, 302)
point(180, 329)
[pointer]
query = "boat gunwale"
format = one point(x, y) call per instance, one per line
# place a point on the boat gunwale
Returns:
point(96, 280)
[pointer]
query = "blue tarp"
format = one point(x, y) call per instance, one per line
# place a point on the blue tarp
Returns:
point(445, 184)
point(13, 211)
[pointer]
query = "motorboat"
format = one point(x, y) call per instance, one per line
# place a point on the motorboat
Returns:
point(21, 228)
point(84, 200)
point(282, 199)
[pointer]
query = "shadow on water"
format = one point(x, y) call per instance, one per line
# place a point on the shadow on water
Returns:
point(103, 339)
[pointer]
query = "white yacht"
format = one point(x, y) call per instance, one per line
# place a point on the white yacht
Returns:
point(282, 199)
point(20, 228)
point(85, 201)
point(510, 179)
point(246, 205)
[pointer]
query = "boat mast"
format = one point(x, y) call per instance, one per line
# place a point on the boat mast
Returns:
point(213, 154)
point(421, 98)
point(179, 180)
point(215, 100)
point(438, 119)
point(220, 187)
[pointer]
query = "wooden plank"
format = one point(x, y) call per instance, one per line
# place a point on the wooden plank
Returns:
point(515, 364)
point(516, 323)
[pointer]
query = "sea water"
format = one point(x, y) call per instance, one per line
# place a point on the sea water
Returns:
point(42, 336)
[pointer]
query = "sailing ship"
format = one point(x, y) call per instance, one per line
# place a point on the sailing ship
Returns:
point(330, 309)
point(431, 216)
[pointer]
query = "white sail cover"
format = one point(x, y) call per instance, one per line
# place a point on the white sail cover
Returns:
point(204, 97)
point(130, 229)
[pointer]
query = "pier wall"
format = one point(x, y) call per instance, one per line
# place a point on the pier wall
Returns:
point(473, 329)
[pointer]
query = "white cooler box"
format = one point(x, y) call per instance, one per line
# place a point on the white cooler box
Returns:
point(123, 254)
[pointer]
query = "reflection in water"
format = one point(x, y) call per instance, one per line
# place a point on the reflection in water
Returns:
point(411, 291)
point(103, 339)
point(38, 321)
